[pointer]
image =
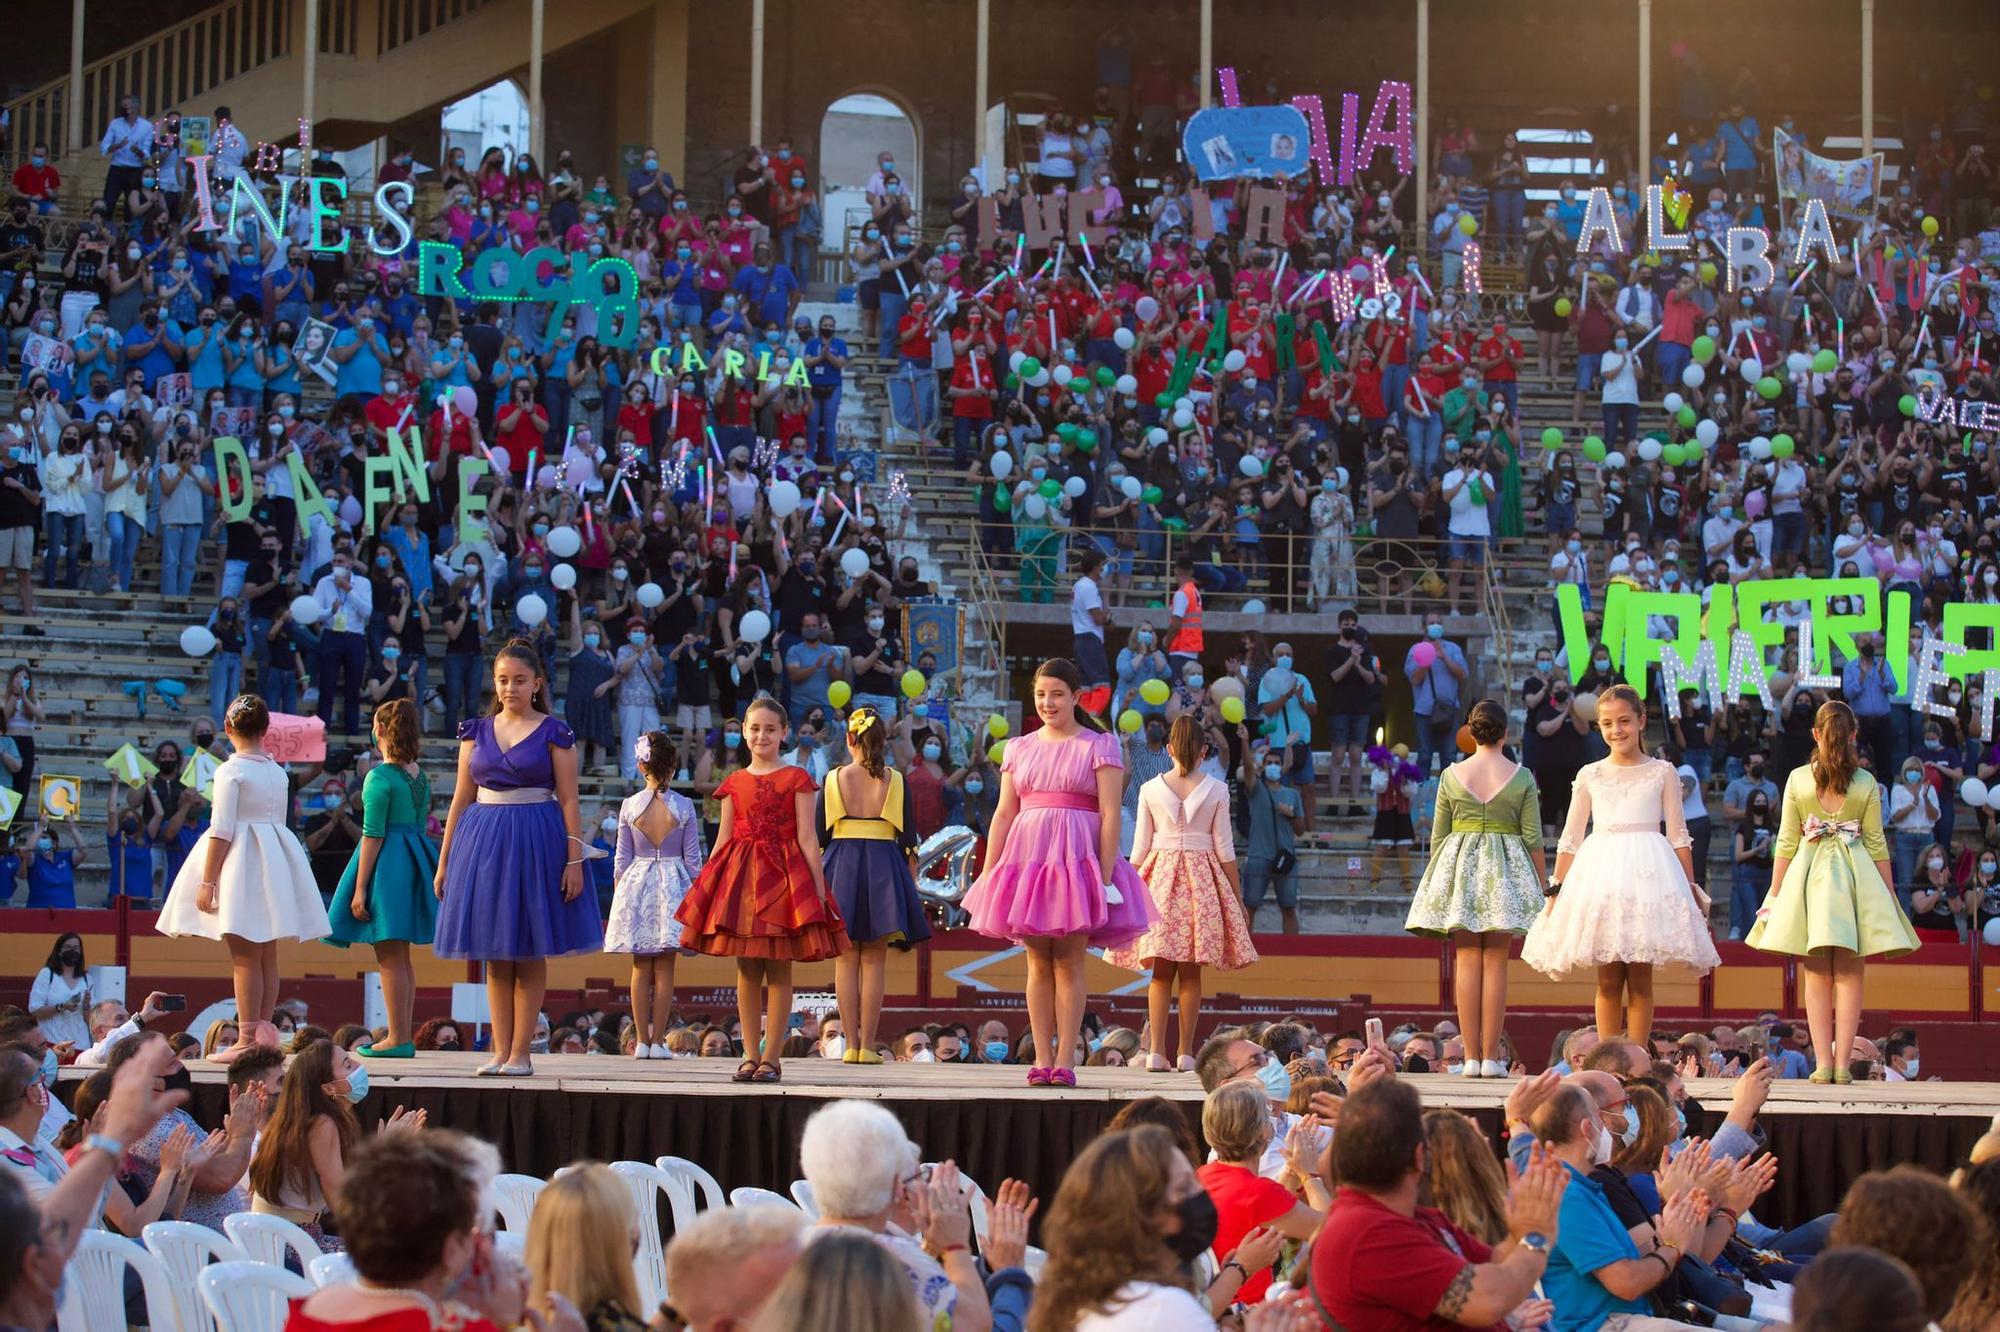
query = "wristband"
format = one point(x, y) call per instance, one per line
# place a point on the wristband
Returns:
point(1241, 1270)
point(1555, 886)
point(946, 1249)
point(104, 1142)
point(1724, 1211)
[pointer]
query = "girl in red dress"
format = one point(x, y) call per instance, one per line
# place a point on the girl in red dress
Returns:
point(762, 897)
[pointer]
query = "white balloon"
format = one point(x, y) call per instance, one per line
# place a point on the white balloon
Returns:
point(651, 595)
point(1649, 449)
point(1251, 466)
point(755, 627)
point(1000, 466)
point(563, 577)
point(564, 541)
point(1129, 487)
point(1014, 361)
point(1062, 374)
point(784, 497)
point(1234, 360)
point(1035, 506)
point(1693, 375)
point(1760, 447)
point(1156, 436)
point(532, 610)
point(1752, 370)
point(1123, 338)
point(1798, 363)
point(854, 562)
point(1972, 791)
point(1707, 431)
point(1127, 385)
point(1147, 309)
point(1075, 486)
point(197, 641)
point(1183, 419)
point(545, 476)
point(1041, 378)
point(1991, 932)
point(1673, 402)
point(1993, 798)
point(305, 610)
point(1614, 460)
point(503, 461)
point(1253, 607)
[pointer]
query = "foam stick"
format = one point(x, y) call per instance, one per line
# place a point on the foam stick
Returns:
point(840, 526)
point(1278, 278)
point(1052, 333)
point(1800, 279)
point(1201, 304)
point(674, 412)
point(1426, 282)
point(531, 467)
point(1307, 288)
point(1095, 290)
point(1083, 239)
point(1020, 251)
point(626, 486)
point(1648, 338)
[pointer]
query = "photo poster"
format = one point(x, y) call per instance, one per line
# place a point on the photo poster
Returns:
point(1229, 143)
point(862, 462)
point(48, 355)
point(196, 131)
point(234, 422)
point(1848, 187)
point(314, 349)
point(172, 391)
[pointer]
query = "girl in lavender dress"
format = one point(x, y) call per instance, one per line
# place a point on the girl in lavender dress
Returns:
point(659, 853)
point(510, 871)
point(1054, 881)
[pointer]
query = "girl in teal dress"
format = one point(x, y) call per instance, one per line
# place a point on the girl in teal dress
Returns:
point(1830, 903)
point(385, 896)
point(1483, 884)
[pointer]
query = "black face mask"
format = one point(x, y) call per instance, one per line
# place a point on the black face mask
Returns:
point(183, 1081)
point(1198, 1226)
point(1417, 1064)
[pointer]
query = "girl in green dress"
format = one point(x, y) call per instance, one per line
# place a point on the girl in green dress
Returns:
point(385, 896)
point(1483, 885)
point(1830, 903)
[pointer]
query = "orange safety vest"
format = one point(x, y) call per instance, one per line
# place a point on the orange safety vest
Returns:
point(1187, 642)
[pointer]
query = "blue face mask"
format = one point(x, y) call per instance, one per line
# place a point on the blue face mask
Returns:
point(931, 751)
point(392, 654)
point(357, 1085)
point(48, 1068)
point(1277, 1079)
point(996, 1052)
point(973, 786)
point(591, 640)
point(731, 740)
point(1285, 662)
point(1435, 630)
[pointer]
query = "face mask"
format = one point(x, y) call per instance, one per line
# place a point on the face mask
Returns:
point(181, 1081)
point(45, 845)
point(1272, 772)
point(1936, 863)
point(996, 1051)
point(1680, 1124)
point(48, 1068)
point(1284, 662)
point(592, 640)
point(392, 654)
point(732, 740)
point(357, 1085)
point(1630, 1133)
point(636, 639)
point(1600, 1147)
point(923, 1057)
point(1909, 1070)
point(1193, 679)
point(1199, 1223)
point(1277, 1079)
point(1434, 630)
point(931, 751)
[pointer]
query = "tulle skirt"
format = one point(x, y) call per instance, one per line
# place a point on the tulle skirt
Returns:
point(1626, 900)
point(503, 897)
point(1047, 884)
point(757, 901)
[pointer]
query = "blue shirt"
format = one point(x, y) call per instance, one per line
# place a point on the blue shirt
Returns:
point(402, 310)
point(178, 849)
point(1790, 1064)
point(1289, 722)
point(52, 879)
point(1438, 690)
point(1866, 690)
point(159, 361)
point(131, 864)
point(1739, 144)
point(363, 373)
point(1589, 1236)
point(768, 294)
point(825, 376)
point(811, 691)
point(205, 370)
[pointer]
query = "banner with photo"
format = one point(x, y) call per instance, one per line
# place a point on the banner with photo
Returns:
point(937, 627)
point(1848, 187)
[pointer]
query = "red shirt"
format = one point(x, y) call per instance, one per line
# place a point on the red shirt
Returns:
point(393, 1320)
point(972, 370)
point(1379, 1271)
point(458, 441)
point(1368, 392)
point(523, 437)
point(1494, 348)
point(913, 336)
point(1243, 1201)
point(36, 182)
point(639, 420)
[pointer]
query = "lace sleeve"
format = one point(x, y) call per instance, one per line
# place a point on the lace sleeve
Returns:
point(1670, 807)
point(1579, 813)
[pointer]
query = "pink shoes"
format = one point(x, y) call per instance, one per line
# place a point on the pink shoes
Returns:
point(1039, 1077)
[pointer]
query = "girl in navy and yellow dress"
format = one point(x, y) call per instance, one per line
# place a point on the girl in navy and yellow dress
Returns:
point(865, 826)
point(659, 853)
point(762, 897)
point(510, 872)
point(385, 895)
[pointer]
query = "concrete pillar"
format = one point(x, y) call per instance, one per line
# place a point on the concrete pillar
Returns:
point(667, 86)
point(981, 147)
point(73, 120)
point(1867, 77)
point(757, 72)
point(1645, 92)
point(1207, 52)
point(309, 62)
point(1423, 126)
point(536, 130)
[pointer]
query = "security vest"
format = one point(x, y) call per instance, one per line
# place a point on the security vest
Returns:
point(1187, 642)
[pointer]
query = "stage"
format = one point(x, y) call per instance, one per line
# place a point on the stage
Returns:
point(581, 1107)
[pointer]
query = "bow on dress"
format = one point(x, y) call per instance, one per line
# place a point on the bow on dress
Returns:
point(1847, 830)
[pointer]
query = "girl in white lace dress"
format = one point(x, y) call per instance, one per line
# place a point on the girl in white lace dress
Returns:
point(1624, 899)
point(659, 853)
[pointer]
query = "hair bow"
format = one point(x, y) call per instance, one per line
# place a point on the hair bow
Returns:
point(862, 720)
point(643, 749)
point(1847, 830)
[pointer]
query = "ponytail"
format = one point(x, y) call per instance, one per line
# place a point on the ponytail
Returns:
point(521, 650)
point(866, 740)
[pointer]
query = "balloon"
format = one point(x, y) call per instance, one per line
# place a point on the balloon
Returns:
point(1155, 692)
point(1993, 798)
point(1593, 448)
point(1035, 507)
point(651, 595)
point(1614, 461)
point(1123, 338)
point(1003, 500)
point(503, 461)
point(1049, 489)
point(1907, 405)
point(1106, 377)
point(912, 683)
point(754, 627)
point(1685, 416)
point(1251, 466)
point(1650, 449)
point(839, 693)
point(1703, 349)
point(1991, 932)
point(1707, 271)
point(1752, 370)
point(1075, 486)
point(1423, 654)
point(464, 401)
point(305, 610)
point(784, 497)
point(996, 726)
point(1127, 385)
point(1232, 710)
point(1129, 487)
point(1039, 378)
point(1467, 223)
point(1152, 494)
point(1233, 361)
point(1086, 440)
point(1768, 387)
point(1466, 744)
point(1584, 706)
point(564, 542)
point(1062, 374)
point(1930, 225)
point(532, 610)
point(1254, 606)
point(1973, 792)
point(197, 641)
point(1798, 363)
point(1782, 446)
point(1156, 436)
point(1183, 418)
point(1000, 465)
point(996, 752)
point(1029, 367)
point(1147, 309)
point(1753, 505)
point(1014, 361)
point(854, 562)
point(563, 577)
point(1552, 438)
point(1824, 362)
point(1673, 455)
point(1760, 448)
point(1130, 721)
point(1708, 432)
point(1693, 376)
point(1563, 307)
point(1673, 402)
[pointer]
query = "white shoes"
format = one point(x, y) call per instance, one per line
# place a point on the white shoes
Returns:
point(1491, 1068)
point(1471, 1069)
point(662, 1052)
point(645, 1051)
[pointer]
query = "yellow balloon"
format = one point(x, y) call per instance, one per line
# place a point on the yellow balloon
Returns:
point(1155, 692)
point(1232, 710)
point(1467, 223)
point(997, 725)
point(996, 751)
point(1130, 720)
point(1707, 271)
point(1563, 307)
point(1930, 226)
point(839, 692)
point(913, 682)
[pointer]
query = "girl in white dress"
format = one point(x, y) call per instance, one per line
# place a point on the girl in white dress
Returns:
point(1624, 899)
point(659, 853)
point(247, 881)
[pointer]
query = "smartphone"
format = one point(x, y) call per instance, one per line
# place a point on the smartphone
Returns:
point(1372, 1029)
point(173, 1003)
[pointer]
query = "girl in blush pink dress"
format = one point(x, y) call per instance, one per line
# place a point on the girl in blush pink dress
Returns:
point(1054, 881)
point(1184, 850)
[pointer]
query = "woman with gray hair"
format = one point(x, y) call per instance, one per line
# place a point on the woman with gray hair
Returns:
point(864, 1173)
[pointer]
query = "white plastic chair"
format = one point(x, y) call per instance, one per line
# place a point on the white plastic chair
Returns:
point(692, 1190)
point(749, 1197)
point(265, 1239)
point(802, 1194)
point(331, 1269)
point(94, 1296)
point(514, 1198)
point(186, 1249)
point(252, 1296)
point(982, 1221)
point(649, 1261)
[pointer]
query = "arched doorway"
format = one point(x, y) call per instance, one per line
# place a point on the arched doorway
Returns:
point(854, 130)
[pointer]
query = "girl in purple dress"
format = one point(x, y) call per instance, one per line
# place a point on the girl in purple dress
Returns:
point(510, 870)
point(1054, 881)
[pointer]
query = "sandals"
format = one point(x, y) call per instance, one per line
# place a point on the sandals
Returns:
point(1062, 1077)
point(1039, 1077)
point(767, 1072)
point(745, 1071)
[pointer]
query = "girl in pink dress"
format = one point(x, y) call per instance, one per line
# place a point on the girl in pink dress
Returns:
point(1183, 848)
point(1054, 882)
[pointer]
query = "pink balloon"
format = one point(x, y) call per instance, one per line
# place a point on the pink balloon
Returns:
point(1884, 560)
point(1423, 654)
point(464, 401)
point(1753, 504)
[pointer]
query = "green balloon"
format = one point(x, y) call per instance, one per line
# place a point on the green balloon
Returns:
point(1086, 438)
point(1907, 404)
point(1152, 494)
point(1066, 432)
point(1030, 367)
point(1768, 387)
point(1673, 455)
point(1174, 524)
point(1703, 349)
point(1782, 446)
point(1013, 381)
point(1552, 438)
point(1003, 500)
point(1050, 488)
point(1080, 385)
point(1165, 402)
point(1685, 416)
point(1593, 448)
point(1106, 376)
point(1824, 362)
point(1693, 448)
